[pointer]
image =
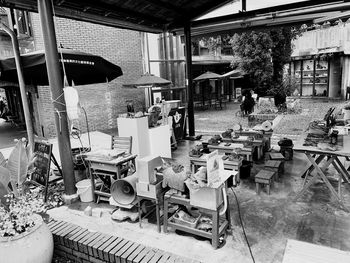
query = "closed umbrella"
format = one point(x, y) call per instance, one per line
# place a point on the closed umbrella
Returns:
point(80, 67)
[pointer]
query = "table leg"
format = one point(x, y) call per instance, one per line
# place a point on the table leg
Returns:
point(340, 171)
point(165, 216)
point(305, 187)
point(345, 172)
point(139, 209)
point(228, 213)
point(158, 215)
point(93, 186)
point(215, 229)
point(324, 178)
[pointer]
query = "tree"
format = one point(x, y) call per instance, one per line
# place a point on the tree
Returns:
point(262, 55)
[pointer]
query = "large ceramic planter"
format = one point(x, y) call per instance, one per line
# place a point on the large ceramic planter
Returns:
point(34, 246)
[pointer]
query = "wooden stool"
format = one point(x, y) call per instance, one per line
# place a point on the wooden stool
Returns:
point(276, 166)
point(277, 157)
point(264, 177)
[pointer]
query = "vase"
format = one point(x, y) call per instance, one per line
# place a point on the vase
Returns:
point(32, 246)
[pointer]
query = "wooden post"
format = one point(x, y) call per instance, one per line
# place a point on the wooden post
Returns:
point(189, 77)
point(56, 84)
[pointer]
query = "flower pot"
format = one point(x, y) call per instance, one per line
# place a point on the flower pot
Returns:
point(32, 246)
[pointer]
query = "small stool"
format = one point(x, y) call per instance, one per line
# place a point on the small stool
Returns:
point(264, 177)
point(277, 157)
point(276, 166)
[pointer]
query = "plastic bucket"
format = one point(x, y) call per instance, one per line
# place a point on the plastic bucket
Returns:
point(84, 190)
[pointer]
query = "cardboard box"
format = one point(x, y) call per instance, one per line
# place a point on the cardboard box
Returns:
point(206, 197)
point(149, 190)
point(145, 168)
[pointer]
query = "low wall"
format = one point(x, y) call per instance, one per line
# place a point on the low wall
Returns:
point(83, 246)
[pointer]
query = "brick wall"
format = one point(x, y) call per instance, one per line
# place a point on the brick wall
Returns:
point(103, 102)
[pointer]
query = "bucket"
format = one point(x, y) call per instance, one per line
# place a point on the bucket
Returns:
point(84, 190)
point(244, 170)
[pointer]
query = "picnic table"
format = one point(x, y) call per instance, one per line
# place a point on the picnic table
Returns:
point(331, 156)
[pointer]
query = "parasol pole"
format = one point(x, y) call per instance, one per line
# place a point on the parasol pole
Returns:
point(22, 87)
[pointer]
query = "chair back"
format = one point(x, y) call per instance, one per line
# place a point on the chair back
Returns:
point(122, 143)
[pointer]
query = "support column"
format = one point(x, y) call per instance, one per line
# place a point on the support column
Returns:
point(189, 78)
point(56, 85)
point(22, 87)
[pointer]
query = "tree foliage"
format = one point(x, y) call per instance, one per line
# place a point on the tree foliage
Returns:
point(262, 56)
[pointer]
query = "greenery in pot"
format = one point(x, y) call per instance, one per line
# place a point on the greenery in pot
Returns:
point(18, 204)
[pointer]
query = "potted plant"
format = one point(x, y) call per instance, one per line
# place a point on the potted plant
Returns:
point(24, 236)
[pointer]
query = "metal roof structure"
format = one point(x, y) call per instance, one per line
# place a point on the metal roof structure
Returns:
point(156, 16)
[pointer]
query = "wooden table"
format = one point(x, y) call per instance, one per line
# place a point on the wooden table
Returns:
point(258, 144)
point(246, 152)
point(112, 168)
point(257, 135)
point(234, 165)
point(219, 226)
point(315, 156)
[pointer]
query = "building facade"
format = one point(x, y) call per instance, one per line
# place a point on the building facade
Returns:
point(321, 60)
point(102, 102)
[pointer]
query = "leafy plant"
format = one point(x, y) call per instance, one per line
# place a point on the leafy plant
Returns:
point(18, 204)
point(13, 172)
point(262, 56)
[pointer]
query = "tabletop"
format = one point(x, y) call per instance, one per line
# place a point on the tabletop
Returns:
point(342, 148)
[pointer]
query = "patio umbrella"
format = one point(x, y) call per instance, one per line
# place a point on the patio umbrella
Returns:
point(80, 67)
point(207, 75)
point(150, 80)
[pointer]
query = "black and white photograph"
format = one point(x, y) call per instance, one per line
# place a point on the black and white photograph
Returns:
point(156, 131)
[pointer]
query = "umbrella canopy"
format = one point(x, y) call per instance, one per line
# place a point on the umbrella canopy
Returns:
point(82, 68)
point(207, 75)
point(150, 80)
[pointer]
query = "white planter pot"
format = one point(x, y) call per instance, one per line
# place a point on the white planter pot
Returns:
point(34, 246)
point(346, 114)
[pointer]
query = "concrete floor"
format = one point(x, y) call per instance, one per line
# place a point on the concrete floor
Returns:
point(269, 220)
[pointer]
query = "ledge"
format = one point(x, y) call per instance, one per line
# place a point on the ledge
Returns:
point(81, 245)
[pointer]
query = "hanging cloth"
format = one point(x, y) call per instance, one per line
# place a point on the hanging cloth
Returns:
point(71, 97)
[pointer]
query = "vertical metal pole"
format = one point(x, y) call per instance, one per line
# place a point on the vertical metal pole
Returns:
point(22, 86)
point(190, 110)
point(56, 84)
point(244, 5)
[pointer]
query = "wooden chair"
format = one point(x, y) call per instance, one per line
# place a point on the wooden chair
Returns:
point(108, 176)
point(122, 143)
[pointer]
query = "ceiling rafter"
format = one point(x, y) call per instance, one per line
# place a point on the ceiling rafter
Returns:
point(112, 9)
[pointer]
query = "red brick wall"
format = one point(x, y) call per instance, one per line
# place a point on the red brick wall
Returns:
point(103, 102)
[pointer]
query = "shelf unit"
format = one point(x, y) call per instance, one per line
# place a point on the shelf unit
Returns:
point(219, 224)
point(307, 71)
